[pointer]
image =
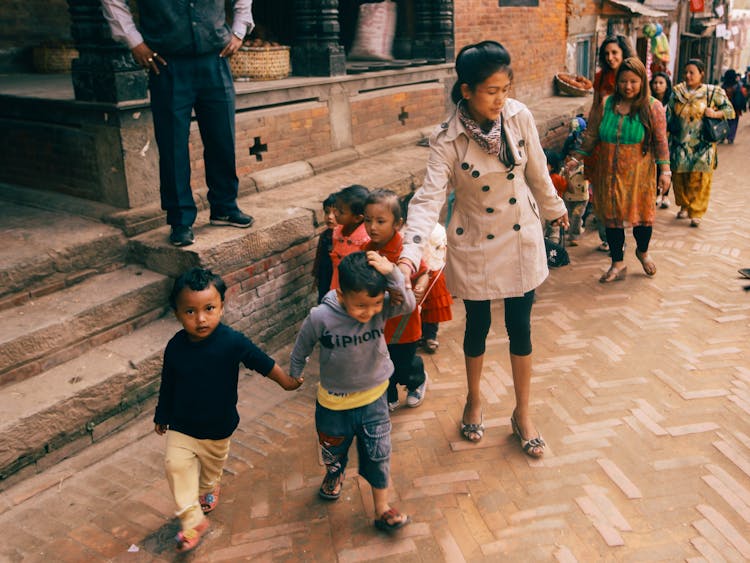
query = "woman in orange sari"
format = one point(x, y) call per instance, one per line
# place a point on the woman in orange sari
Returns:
point(629, 135)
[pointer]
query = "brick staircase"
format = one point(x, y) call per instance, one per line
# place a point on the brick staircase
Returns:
point(85, 298)
point(81, 342)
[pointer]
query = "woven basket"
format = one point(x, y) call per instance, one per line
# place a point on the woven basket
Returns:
point(260, 63)
point(53, 59)
point(566, 89)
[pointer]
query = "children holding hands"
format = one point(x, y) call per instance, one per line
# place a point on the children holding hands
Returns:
point(197, 407)
point(354, 373)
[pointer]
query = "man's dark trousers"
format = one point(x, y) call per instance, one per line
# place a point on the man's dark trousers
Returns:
point(203, 83)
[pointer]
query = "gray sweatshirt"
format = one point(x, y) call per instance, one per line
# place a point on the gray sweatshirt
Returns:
point(353, 356)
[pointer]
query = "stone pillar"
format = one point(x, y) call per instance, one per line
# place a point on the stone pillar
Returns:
point(105, 70)
point(316, 50)
point(443, 30)
point(434, 30)
point(423, 29)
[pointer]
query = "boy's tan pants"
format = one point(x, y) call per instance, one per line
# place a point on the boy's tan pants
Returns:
point(194, 468)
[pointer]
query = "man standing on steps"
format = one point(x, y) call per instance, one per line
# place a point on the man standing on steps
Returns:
point(184, 45)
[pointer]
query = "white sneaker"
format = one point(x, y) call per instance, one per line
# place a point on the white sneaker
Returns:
point(415, 398)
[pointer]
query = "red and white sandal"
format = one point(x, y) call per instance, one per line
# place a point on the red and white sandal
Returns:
point(209, 501)
point(190, 538)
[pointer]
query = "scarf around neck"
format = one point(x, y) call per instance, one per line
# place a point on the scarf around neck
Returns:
point(492, 142)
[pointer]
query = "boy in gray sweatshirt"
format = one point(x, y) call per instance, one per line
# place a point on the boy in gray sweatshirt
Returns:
point(354, 373)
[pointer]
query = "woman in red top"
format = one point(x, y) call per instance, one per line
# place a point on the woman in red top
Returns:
point(383, 219)
point(613, 50)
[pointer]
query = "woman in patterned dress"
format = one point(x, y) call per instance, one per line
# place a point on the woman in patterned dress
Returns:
point(693, 159)
point(630, 137)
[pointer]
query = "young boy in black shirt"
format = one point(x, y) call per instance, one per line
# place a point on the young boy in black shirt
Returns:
point(197, 407)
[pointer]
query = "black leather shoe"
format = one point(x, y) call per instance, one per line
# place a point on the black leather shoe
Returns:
point(233, 219)
point(181, 235)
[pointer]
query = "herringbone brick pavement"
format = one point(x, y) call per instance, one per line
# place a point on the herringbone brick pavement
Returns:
point(641, 389)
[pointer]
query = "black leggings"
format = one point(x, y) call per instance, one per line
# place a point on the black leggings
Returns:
point(517, 324)
point(616, 239)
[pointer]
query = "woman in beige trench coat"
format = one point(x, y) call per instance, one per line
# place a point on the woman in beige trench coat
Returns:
point(489, 152)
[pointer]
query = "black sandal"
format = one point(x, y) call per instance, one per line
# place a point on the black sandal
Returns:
point(471, 429)
point(332, 485)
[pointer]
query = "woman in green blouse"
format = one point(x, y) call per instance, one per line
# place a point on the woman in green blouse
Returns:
point(631, 136)
point(693, 159)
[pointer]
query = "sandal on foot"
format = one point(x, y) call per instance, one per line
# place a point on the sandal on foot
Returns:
point(391, 520)
point(695, 222)
point(209, 501)
point(528, 446)
point(682, 214)
point(648, 265)
point(190, 538)
point(430, 345)
point(614, 274)
point(473, 432)
point(603, 247)
point(330, 488)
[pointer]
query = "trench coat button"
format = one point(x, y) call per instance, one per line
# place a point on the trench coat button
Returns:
point(417, 239)
point(521, 143)
point(512, 201)
point(444, 125)
point(460, 231)
point(490, 210)
point(485, 188)
point(516, 227)
point(475, 174)
point(490, 237)
point(464, 166)
point(511, 176)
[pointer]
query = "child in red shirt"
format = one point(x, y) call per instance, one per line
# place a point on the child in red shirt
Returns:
point(350, 234)
point(383, 217)
point(554, 165)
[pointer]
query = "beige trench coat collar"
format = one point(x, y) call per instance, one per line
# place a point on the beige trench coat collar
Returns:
point(510, 109)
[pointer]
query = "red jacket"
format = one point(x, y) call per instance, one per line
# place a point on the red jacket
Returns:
point(413, 329)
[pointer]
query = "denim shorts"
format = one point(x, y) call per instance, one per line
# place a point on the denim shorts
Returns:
point(371, 424)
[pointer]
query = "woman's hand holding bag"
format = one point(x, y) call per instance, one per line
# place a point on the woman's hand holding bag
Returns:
point(715, 127)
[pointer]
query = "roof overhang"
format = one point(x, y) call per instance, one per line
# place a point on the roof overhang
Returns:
point(639, 9)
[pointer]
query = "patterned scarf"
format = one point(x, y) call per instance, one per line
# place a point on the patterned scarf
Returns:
point(492, 142)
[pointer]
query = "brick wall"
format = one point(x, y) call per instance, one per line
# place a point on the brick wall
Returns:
point(263, 297)
point(34, 154)
point(378, 114)
point(291, 133)
point(535, 38)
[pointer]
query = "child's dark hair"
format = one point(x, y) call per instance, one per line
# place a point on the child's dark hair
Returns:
point(196, 279)
point(330, 201)
point(354, 197)
point(389, 199)
point(554, 159)
point(355, 274)
point(476, 63)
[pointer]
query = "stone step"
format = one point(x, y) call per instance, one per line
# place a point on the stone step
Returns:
point(44, 251)
point(57, 327)
point(66, 408)
point(283, 217)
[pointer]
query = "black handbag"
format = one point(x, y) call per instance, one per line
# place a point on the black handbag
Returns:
point(556, 254)
point(714, 129)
